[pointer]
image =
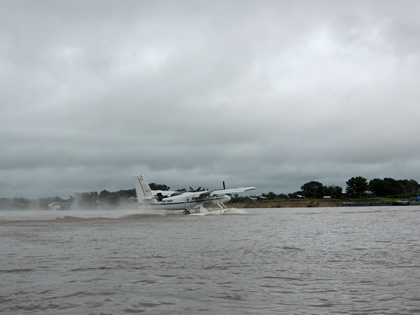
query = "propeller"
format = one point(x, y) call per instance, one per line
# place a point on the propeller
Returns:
point(224, 186)
point(195, 190)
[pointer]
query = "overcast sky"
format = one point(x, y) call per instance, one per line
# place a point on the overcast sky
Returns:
point(270, 94)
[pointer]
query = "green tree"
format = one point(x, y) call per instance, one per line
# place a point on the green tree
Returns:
point(333, 191)
point(389, 187)
point(270, 195)
point(377, 187)
point(384, 187)
point(104, 196)
point(313, 189)
point(357, 186)
point(295, 195)
point(409, 187)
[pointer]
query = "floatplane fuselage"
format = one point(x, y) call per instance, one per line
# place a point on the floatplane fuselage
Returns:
point(190, 201)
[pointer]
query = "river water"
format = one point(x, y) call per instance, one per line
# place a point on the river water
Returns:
point(257, 261)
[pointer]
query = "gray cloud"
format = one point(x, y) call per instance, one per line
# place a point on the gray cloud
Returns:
point(269, 93)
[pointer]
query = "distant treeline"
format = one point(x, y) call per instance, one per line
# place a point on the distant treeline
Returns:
point(357, 187)
point(85, 200)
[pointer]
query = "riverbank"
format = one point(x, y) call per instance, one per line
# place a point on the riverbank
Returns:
point(307, 203)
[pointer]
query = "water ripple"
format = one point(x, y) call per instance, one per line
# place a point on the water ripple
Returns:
point(264, 261)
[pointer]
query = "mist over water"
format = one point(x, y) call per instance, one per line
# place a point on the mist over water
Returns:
point(312, 260)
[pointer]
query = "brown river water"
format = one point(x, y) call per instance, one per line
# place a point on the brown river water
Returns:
point(253, 261)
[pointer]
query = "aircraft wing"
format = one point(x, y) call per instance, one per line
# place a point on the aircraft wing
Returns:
point(231, 191)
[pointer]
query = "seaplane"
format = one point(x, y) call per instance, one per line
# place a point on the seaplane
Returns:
point(192, 202)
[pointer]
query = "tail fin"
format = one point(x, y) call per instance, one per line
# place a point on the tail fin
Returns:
point(143, 190)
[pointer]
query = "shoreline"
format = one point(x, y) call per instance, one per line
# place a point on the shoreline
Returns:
point(316, 203)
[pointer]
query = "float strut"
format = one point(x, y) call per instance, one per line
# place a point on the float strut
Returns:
point(223, 208)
